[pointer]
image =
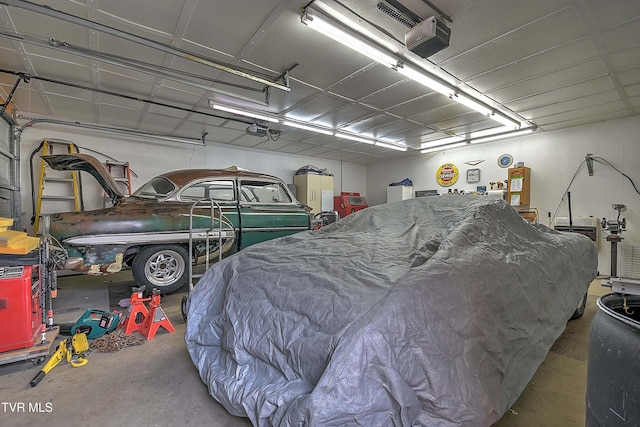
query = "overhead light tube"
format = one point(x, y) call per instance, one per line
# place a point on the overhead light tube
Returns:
point(471, 103)
point(306, 127)
point(244, 113)
point(343, 15)
point(354, 138)
point(502, 136)
point(425, 80)
point(512, 124)
point(325, 27)
point(489, 132)
point(443, 141)
point(391, 146)
point(443, 147)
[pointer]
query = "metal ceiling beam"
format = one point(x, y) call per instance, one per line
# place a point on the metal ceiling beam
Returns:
point(178, 76)
point(53, 13)
point(122, 95)
point(130, 132)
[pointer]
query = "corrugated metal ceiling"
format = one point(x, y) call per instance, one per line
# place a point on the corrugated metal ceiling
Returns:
point(554, 63)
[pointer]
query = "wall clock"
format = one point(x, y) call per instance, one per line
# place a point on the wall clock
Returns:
point(505, 160)
point(473, 175)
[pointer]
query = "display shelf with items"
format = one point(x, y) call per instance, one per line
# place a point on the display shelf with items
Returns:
point(497, 189)
point(519, 187)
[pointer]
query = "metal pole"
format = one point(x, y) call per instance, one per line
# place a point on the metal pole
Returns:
point(614, 258)
point(570, 217)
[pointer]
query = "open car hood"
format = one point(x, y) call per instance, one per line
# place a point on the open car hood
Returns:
point(86, 163)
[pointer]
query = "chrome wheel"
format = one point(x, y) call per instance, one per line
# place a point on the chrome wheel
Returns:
point(164, 268)
point(161, 267)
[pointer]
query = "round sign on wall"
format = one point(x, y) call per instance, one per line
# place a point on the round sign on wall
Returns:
point(447, 175)
point(505, 160)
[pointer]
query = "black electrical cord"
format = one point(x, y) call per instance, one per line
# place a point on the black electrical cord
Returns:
point(599, 160)
point(273, 135)
point(606, 162)
point(566, 191)
point(129, 97)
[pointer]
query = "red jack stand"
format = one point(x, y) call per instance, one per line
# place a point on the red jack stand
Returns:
point(156, 318)
point(137, 314)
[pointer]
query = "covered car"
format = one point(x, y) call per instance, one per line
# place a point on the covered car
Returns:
point(150, 230)
point(434, 311)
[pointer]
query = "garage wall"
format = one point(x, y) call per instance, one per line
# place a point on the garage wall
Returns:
point(553, 158)
point(149, 158)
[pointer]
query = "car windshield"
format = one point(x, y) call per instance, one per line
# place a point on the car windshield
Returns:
point(157, 188)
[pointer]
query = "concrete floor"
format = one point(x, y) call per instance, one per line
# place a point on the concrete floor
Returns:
point(156, 384)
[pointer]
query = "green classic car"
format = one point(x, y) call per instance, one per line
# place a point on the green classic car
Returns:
point(150, 230)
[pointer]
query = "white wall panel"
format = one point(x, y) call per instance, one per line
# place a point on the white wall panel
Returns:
point(553, 158)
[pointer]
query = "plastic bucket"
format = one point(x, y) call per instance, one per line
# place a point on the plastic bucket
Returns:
point(613, 369)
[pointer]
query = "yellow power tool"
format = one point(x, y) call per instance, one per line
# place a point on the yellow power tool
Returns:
point(74, 349)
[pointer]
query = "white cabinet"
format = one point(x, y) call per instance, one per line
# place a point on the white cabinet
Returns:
point(315, 191)
point(395, 193)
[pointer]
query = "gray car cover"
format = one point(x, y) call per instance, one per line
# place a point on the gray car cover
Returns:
point(434, 311)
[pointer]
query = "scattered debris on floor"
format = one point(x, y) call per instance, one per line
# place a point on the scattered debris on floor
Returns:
point(115, 341)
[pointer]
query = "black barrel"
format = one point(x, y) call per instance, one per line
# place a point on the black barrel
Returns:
point(613, 370)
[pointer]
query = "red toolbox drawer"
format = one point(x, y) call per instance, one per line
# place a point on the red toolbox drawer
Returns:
point(20, 309)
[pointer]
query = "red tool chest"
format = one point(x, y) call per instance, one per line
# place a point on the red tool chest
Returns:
point(20, 307)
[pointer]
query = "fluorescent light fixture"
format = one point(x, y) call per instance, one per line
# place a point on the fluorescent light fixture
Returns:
point(425, 80)
point(341, 14)
point(471, 103)
point(244, 113)
point(512, 124)
point(492, 131)
point(318, 22)
point(391, 146)
point(443, 141)
point(325, 27)
point(443, 147)
point(354, 138)
point(307, 127)
point(391, 141)
point(475, 105)
point(502, 136)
